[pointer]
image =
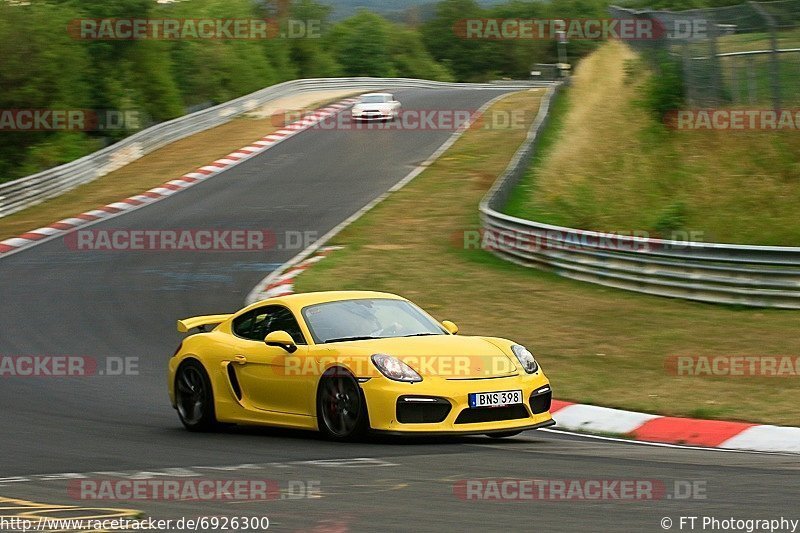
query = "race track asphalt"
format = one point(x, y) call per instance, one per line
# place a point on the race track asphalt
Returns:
point(58, 301)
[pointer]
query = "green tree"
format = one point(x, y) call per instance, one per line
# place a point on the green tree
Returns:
point(217, 70)
point(41, 67)
point(468, 59)
point(361, 45)
point(310, 55)
point(411, 59)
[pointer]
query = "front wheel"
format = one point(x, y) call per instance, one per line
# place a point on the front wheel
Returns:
point(194, 397)
point(341, 409)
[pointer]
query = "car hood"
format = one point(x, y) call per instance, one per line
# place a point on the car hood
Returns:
point(448, 356)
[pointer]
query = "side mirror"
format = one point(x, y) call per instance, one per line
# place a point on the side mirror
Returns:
point(451, 327)
point(282, 340)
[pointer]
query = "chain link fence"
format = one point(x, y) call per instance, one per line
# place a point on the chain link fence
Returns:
point(741, 55)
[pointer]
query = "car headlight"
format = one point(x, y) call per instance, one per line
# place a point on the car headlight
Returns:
point(394, 368)
point(525, 358)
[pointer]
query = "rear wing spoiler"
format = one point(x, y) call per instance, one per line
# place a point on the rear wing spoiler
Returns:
point(188, 324)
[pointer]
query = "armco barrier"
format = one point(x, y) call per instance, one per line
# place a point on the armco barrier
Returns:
point(31, 190)
point(759, 276)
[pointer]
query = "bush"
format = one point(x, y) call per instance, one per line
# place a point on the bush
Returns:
point(672, 219)
point(664, 92)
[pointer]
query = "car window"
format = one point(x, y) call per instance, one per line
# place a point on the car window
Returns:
point(257, 324)
point(283, 320)
point(373, 318)
point(375, 99)
point(242, 324)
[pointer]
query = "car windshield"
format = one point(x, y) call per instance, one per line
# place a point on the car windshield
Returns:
point(367, 319)
point(374, 99)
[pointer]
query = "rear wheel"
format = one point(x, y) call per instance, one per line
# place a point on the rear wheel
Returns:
point(503, 435)
point(341, 409)
point(194, 397)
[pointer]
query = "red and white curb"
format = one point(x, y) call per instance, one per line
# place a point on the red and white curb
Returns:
point(37, 236)
point(673, 430)
point(281, 282)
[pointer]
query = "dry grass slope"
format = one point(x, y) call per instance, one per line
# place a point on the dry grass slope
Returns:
point(613, 167)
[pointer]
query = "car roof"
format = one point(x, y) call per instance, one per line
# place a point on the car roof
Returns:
point(375, 94)
point(304, 299)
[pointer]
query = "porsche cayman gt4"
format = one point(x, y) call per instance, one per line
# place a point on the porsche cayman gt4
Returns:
point(344, 363)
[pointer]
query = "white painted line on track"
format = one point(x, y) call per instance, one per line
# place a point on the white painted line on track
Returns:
point(193, 471)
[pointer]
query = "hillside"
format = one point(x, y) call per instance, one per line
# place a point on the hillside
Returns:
point(610, 165)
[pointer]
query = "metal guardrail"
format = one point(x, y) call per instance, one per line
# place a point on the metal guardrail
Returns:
point(755, 276)
point(754, 53)
point(28, 191)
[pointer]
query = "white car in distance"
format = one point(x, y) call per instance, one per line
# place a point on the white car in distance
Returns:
point(376, 106)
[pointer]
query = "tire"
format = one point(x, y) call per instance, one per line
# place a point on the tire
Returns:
point(503, 435)
point(341, 407)
point(194, 397)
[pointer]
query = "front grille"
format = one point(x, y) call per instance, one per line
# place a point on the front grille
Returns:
point(427, 411)
point(492, 414)
point(540, 401)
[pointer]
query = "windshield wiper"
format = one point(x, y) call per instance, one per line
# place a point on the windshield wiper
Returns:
point(345, 339)
point(422, 334)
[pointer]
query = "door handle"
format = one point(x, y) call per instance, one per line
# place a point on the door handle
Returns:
point(240, 359)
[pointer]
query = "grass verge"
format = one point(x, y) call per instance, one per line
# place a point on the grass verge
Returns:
point(598, 345)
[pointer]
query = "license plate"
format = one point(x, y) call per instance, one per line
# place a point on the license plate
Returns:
point(494, 399)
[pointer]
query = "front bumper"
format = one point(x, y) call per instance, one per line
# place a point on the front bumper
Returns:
point(372, 116)
point(540, 425)
point(382, 396)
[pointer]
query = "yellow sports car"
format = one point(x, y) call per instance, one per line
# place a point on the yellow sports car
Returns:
point(347, 362)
